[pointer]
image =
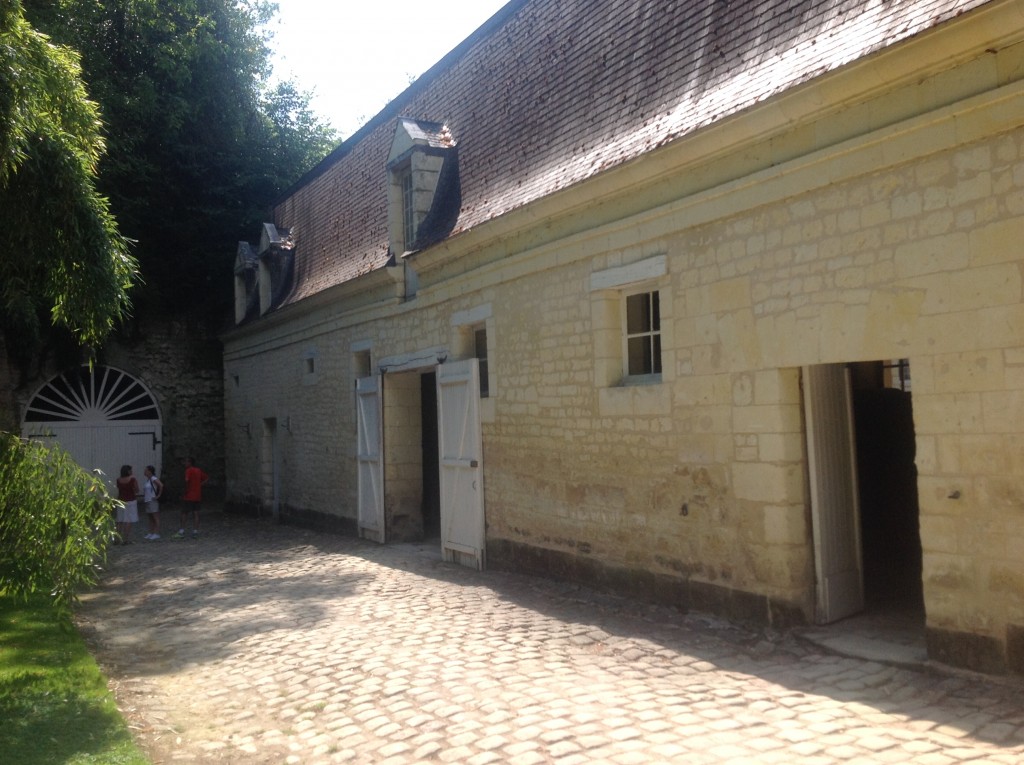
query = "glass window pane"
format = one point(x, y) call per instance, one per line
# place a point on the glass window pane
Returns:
point(480, 351)
point(643, 338)
point(480, 343)
point(638, 313)
point(408, 224)
point(639, 355)
point(485, 385)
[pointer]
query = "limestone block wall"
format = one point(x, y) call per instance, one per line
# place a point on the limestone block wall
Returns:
point(921, 261)
point(698, 478)
point(296, 387)
point(901, 243)
point(289, 412)
point(703, 476)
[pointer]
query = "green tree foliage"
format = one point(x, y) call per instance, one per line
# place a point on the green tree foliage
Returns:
point(62, 254)
point(200, 143)
point(63, 263)
point(55, 521)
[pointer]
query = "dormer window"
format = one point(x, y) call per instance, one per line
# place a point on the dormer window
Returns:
point(246, 274)
point(408, 216)
point(424, 195)
point(276, 263)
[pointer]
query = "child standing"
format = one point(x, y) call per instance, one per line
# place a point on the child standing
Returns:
point(152, 490)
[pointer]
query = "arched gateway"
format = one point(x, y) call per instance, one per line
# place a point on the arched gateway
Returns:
point(103, 417)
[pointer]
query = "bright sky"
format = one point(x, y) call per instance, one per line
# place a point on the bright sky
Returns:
point(357, 56)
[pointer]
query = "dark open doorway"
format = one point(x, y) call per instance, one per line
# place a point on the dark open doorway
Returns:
point(870, 594)
point(431, 466)
point(887, 482)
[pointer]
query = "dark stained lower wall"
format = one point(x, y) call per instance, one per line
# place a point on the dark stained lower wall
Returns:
point(981, 653)
point(1015, 648)
point(320, 521)
point(644, 585)
point(295, 516)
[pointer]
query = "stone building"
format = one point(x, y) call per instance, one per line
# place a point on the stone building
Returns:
point(718, 304)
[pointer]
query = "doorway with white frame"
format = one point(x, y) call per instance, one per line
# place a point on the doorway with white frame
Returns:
point(399, 441)
point(863, 490)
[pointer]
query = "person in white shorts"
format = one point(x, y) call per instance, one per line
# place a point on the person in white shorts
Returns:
point(128, 512)
point(152, 490)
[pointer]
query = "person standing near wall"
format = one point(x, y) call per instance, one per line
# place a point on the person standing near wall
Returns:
point(128, 513)
point(195, 477)
point(152, 489)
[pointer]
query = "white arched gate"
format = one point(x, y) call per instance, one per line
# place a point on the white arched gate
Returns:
point(103, 417)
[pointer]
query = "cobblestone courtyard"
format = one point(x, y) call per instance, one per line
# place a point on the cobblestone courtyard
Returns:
point(259, 643)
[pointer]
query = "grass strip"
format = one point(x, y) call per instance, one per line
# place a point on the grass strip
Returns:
point(54, 703)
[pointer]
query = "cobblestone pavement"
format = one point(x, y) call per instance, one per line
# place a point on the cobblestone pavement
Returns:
point(259, 643)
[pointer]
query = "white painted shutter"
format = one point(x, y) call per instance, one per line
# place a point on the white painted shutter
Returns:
point(370, 462)
point(835, 513)
point(461, 463)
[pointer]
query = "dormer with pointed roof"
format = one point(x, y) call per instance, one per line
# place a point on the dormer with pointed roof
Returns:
point(424, 194)
point(247, 265)
point(276, 266)
point(263, 275)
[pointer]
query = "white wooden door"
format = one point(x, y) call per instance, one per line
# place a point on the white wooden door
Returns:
point(835, 513)
point(370, 461)
point(104, 447)
point(461, 462)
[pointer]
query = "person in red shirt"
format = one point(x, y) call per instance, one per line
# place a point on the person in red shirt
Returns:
point(128, 512)
point(195, 477)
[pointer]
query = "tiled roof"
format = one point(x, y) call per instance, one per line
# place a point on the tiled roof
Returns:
point(560, 91)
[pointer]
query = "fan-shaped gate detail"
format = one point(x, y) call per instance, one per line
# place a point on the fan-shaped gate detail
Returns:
point(96, 395)
point(103, 417)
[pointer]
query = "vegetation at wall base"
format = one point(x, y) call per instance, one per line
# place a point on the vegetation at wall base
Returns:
point(55, 522)
point(54, 702)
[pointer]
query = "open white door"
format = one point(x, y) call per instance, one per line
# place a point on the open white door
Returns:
point(461, 463)
point(368, 456)
point(835, 513)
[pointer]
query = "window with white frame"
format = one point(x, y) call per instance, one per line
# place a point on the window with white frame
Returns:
point(473, 337)
point(408, 211)
point(361, 363)
point(480, 351)
point(310, 372)
point(628, 303)
point(642, 334)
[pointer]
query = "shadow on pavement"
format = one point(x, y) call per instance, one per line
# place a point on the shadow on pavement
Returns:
point(169, 603)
